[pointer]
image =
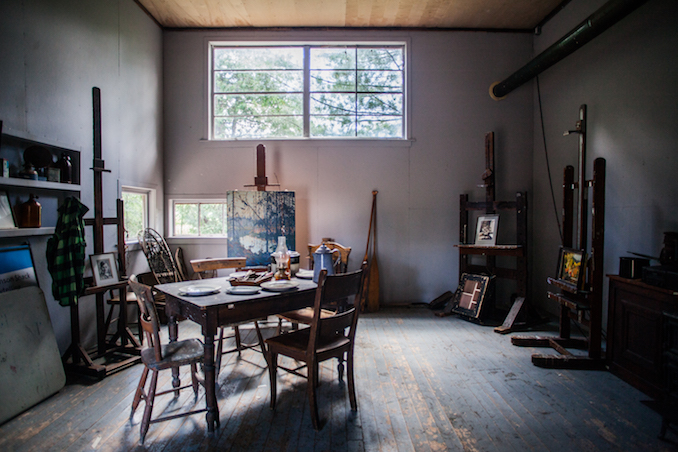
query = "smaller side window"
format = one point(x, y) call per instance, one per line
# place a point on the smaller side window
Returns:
point(137, 206)
point(199, 218)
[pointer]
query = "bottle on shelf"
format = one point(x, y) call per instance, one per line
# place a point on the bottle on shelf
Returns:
point(66, 168)
point(30, 213)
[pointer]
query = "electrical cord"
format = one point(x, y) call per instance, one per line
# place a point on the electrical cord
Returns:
point(548, 166)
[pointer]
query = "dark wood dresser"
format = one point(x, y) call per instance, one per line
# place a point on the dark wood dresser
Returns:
point(636, 332)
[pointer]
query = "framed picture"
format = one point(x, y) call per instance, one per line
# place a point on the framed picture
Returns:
point(471, 293)
point(571, 264)
point(6, 212)
point(104, 269)
point(486, 230)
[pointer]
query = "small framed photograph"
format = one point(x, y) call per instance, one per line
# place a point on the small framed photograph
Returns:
point(486, 230)
point(571, 264)
point(104, 269)
point(471, 293)
point(6, 212)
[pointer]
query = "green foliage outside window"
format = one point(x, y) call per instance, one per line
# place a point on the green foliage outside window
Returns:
point(353, 91)
point(135, 210)
point(199, 219)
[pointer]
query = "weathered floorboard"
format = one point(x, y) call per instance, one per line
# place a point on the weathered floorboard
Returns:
point(423, 383)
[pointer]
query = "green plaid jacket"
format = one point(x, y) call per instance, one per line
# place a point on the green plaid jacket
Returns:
point(66, 252)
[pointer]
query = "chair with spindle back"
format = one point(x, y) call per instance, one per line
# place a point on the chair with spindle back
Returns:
point(157, 356)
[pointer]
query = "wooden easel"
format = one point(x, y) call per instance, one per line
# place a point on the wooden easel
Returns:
point(127, 352)
point(583, 306)
point(517, 250)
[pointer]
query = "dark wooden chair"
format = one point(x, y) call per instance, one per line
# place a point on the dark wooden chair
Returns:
point(339, 259)
point(327, 337)
point(207, 268)
point(157, 357)
point(305, 316)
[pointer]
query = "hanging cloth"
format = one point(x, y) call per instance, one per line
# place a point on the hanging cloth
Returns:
point(66, 252)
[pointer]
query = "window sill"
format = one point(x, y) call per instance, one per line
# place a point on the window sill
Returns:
point(311, 142)
point(177, 240)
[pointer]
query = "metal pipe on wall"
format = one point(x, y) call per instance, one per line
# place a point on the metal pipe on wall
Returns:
point(606, 16)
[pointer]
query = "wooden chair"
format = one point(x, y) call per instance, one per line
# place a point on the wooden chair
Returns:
point(340, 258)
point(207, 268)
point(157, 357)
point(328, 337)
point(305, 315)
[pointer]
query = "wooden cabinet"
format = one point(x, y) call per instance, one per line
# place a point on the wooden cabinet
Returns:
point(635, 332)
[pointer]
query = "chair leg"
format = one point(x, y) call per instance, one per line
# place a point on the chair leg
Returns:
point(140, 391)
point(194, 378)
point(340, 368)
point(311, 390)
point(260, 338)
point(220, 349)
point(146, 421)
point(272, 374)
point(238, 344)
point(351, 381)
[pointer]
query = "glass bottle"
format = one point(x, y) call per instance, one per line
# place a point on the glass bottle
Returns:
point(30, 213)
point(282, 259)
point(66, 168)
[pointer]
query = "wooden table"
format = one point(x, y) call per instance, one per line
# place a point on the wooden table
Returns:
point(222, 309)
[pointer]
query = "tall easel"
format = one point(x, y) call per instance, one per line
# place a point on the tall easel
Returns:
point(490, 253)
point(126, 353)
point(584, 306)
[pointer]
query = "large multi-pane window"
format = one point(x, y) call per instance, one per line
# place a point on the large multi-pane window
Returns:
point(199, 218)
point(307, 91)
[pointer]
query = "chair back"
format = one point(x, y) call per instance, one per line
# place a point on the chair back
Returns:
point(339, 258)
point(159, 256)
point(344, 290)
point(207, 268)
point(148, 316)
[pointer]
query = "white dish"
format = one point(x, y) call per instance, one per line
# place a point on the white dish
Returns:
point(279, 286)
point(243, 290)
point(305, 274)
point(237, 274)
point(199, 290)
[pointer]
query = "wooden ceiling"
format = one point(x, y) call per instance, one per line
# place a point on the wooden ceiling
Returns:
point(462, 14)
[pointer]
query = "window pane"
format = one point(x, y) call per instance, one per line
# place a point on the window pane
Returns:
point(381, 81)
point(333, 58)
point(258, 127)
point(333, 104)
point(380, 104)
point(333, 81)
point(212, 219)
point(333, 126)
point(251, 81)
point(381, 58)
point(258, 104)
point(185, 219)
point(380, 126)
point(258, 58)
point(135, 206)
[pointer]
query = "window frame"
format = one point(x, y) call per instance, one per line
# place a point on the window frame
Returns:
point(150, 217)
point(180, 200)
point(404, 43)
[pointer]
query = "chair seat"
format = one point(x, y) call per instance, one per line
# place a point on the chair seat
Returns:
point(174, 354)
point(296, 343)
point(305, 315)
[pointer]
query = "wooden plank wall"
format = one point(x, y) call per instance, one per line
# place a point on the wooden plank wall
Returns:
point(423, 384)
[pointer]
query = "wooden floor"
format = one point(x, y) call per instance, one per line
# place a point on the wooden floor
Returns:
point(423, 384)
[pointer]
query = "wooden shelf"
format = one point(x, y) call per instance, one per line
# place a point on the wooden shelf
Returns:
point(26, 232)
point(37, 184)
point(494, 250)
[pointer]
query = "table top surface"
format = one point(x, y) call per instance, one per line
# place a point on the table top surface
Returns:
point(222, 297)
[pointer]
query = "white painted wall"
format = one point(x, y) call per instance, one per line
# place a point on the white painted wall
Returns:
point(51, 56)
point(627, 78)
point(419, 181)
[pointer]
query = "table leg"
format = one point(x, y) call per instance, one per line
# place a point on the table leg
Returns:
point(210, 384)
point(173, 329)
